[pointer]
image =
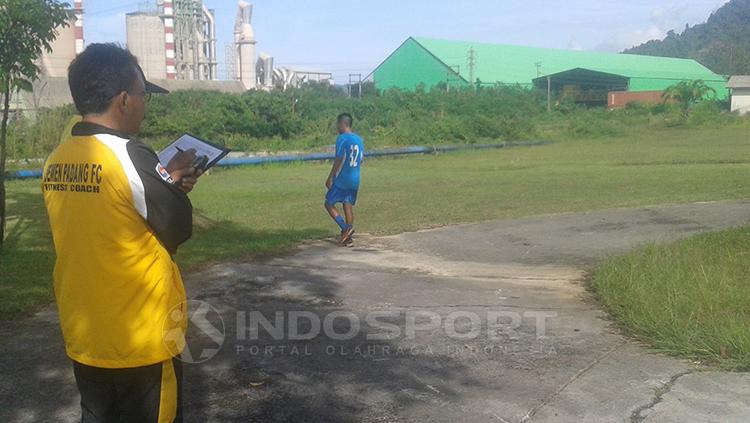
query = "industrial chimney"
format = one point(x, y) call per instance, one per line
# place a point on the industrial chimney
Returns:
point(244, 44)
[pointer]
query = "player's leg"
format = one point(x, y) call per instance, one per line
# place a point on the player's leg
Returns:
point(346, 236)
point(350, 199)
point(332, 197)
point(349, 213)
point(331, 209)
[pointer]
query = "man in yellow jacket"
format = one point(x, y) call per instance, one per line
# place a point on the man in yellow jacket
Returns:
point(117, 217)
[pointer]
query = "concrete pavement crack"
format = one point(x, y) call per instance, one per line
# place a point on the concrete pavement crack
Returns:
point(575, 377)
point(659, 393)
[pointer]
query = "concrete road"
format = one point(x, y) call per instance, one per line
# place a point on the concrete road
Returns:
point(477, 323)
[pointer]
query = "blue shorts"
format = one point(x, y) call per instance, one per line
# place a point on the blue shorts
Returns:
point(340, 195)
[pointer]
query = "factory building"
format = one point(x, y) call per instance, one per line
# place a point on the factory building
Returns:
point(245, 65)
point(50, 89)
point(258, 71)
point(587, 76)
point(145, 39)
point(66, 46)
point(740, 86)
point(175, 41)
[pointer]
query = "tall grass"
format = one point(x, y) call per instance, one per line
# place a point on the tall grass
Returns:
point(690, 298)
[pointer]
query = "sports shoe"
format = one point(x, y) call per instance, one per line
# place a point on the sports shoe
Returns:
point(346, 234)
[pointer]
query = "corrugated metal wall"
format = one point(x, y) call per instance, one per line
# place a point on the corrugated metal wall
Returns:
point(411, 65)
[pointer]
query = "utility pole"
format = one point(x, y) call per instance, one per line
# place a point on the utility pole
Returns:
point(471, 61)
point(351, 82)
point(538, 69)
point(549, 94)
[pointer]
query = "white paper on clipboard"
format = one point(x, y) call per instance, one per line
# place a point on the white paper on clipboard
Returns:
point(187, 142)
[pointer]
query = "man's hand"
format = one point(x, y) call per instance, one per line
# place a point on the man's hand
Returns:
point(186, 178)
point(181, 160)
point(335, 169)
point(184, 175)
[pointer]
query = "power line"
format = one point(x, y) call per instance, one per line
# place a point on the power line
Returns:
point(112, 9)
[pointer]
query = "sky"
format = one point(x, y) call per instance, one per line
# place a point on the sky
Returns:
point(346, 37)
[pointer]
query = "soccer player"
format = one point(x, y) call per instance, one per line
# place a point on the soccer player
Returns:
point(343, 181)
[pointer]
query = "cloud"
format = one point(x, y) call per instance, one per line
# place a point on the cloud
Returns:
point(669, 17)
point(624, 40)
point(662, 19)
point(574, 45)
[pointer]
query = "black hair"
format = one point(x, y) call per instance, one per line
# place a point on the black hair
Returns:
point(346, 119)
point(98, 74)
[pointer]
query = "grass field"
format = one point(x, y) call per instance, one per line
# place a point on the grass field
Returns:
point(689, 298)
point(257, 210)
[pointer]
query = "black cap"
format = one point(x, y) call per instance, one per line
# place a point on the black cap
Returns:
point(150, 86)
point(155, 89)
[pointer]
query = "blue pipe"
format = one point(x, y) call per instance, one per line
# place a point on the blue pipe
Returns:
point(250, 161)
point(24, 174)
point(254, 161)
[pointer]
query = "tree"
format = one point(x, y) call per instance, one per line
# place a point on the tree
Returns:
point(26, 27)
point(720, 44)
point(686, 93)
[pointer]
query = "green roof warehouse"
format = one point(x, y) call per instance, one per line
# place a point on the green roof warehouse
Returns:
point(433, 62)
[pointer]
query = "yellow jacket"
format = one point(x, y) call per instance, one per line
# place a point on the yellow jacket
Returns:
point(116, 220)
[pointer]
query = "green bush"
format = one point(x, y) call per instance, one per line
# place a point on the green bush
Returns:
point(303, 119)
point(36, 138)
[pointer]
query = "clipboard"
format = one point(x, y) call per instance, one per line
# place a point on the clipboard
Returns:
point(205, 151)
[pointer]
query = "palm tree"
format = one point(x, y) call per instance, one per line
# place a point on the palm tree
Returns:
point(687, 92)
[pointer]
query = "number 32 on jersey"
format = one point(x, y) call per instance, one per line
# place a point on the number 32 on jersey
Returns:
point(354, 156)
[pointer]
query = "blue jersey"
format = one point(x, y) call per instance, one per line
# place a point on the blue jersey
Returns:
point(351, 148)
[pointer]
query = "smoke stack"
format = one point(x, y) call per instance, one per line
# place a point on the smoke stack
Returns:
point(245, 45)
point(79, 25)
point(169, 39)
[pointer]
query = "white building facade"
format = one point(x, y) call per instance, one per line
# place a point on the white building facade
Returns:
point(740, 86)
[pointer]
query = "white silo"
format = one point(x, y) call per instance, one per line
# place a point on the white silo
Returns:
point(63, 47)
point(145, 35)
point(244, 40)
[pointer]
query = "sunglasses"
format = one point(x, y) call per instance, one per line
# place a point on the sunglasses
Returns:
point(146, 95)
